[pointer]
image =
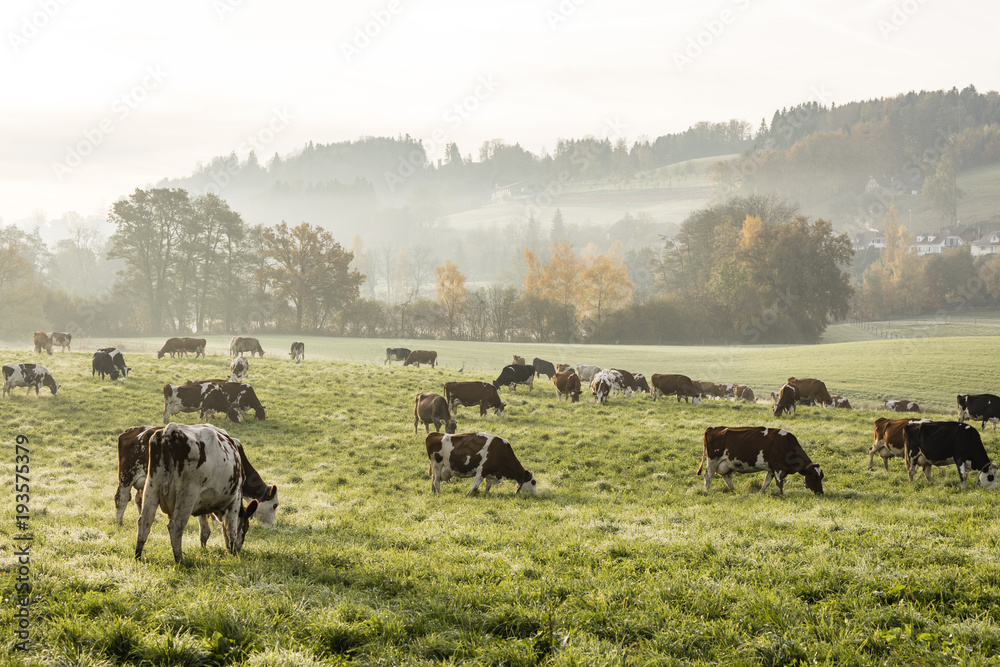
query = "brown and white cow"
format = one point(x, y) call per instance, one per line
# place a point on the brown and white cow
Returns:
point(483, 394)
point(203, 398)
point(238, 367)
point(63, 340)
point(787, 397)
point(567, 383)
point(706, 388)
point(841, 402)
point(743, 392)
point(484, 456)
point(889, 439)
point(176, 346)
point(756, 449)
point(562, 368)
point(811, 389)
point(240, 345)
point(901, 406)
point(43, 342)
point(633, 382)
point(194, 472)
point(431, 408)
point(518, 360)
point(666, 384)
point(417, 357)
point(133, 461)
point(27, 375)
point(607, 382)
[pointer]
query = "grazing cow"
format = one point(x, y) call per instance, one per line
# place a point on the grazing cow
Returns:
point(133, 460)
point(706, 388)
point(518, 360)
point(568, 383)
point(741, 391)
point(516, 374)
point(103, 363)
point(756, 449)
point(238, 367)
point(484, 456)
point(841, 402)
point(431, 408)
point(418, 357)
point(241, 345)
point(941, 443)
point(632, 382)
point(985, 407)
point(27, 375)
point(809, 388)
point(173, 346)
point(194, 472)
point(562, 368)
point(543, 367)
point(203, 398)
point(43, 342)
point(606, 382)
point(587, 372)
point(118, 359)
point(298, 352)
point(482, 394)
point(395, 354)
point(889, 439)
point(786, 400)
point(242, 396)
point(901, 406)
point(63, 340)
point(680, 385)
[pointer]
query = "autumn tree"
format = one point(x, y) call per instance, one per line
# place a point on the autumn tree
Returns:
point(310, 269)
point(606, 284)
point(896, 283)
point(451, 295)
point(941, 188)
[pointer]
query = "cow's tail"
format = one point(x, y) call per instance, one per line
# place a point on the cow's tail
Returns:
point(704, 457)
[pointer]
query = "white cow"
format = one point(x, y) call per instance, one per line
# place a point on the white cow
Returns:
point(606, 382)
point(192, 471)
point(587, 372)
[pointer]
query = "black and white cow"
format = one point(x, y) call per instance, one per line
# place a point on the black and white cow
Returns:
point(984, 407)
point(27, 375)
point(117, 359)
point(103, 364)
point(203, 398)
point(195, 472)
point(133, 461)
point(941, 443)
point(395, 354)
point(298, 352)
point(515, 374)
point(484, 456)
point(238, 367)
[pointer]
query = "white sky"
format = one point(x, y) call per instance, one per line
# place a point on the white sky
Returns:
point(150, 89)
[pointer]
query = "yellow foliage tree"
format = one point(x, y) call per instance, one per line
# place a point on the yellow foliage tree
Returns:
point(451, 294)
point(605, 283)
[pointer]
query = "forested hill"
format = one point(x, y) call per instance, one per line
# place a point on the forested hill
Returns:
point(819, 155)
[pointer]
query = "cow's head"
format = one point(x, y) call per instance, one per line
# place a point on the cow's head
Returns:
point(243, 524)
point(988, 476)
point(499, 411)
point(814, 478)
point(160, 354)
point(260, 413)
point(451, 426)
point(114, 374)
point(963, 400)
point(528, 482)
point(267, 509)
point(51, 383)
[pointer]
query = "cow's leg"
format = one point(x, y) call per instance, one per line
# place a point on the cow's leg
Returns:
point(779, 480)
point(767, 480)
point(178, 520)
point(475, 484)
point(150, 502)
point(436, 480)
point(885, 461)
point(122, 497)
point(962, 474)
point(205, 522)
point(871, 454)
point(928, 472)
point(710, 473)
point(531, 383)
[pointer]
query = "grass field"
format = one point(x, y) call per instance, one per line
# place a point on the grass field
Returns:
point(621, 560)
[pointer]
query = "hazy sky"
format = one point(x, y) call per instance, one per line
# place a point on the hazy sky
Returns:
point(101, 96)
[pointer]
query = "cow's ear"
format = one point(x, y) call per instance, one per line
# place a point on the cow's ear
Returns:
point(271, 492)
point(251, 508)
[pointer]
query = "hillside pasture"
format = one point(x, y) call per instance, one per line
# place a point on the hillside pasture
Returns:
point(622, 559)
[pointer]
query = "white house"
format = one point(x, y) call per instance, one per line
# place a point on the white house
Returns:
point(935, 243)
point(987, 245)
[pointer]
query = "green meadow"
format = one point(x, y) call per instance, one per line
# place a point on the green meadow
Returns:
point(622, 559)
